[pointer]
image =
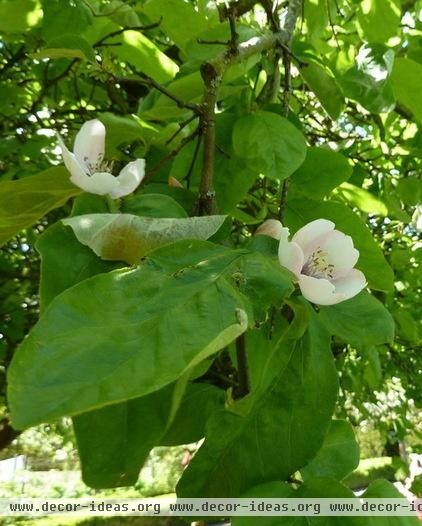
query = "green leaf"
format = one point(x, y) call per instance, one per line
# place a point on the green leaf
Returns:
point(269, 143)
point(18, 15)
point(319, 77)
point(25, 201)
point(321, 171)
point(58, 246)
point(66, 46)
point(153, 205)
point(181, 21)
point(125, 334)
point(406, 79)
point(126, 237)
point(120, 130)
point(407, 326)
point(139, 51)
point(373, 371)
point(114, 442)
point(269, 490)
point(197, 405)
point(378, 20)
point(360, 198)
point(277, 432)
point(382, 489)
point(360, 321)
point(338, 456)
point(371, 260)
point(368, 81)
point(60, 16)
point(409, 190)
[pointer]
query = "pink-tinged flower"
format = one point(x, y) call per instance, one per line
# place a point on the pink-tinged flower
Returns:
point(323, 259)
point(271, 227)
point(89, 171)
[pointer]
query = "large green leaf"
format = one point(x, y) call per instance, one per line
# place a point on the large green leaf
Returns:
point(153, 205)
point(383, 489)
point(368, 81)
point(141, 52)
point(360, 198)
point(197, 405)
point(181, 21)
point(114, 442)
point(65, 262)
point(321, 171)
point(126, 237)
point(371, 260)
point(378, 20)
point(66, 46)
point(361, 321)
point(338, 456)
point(24, 201)
point(280, 429)
point(319, 78)
point(407, 84)
point(125, 334)
point(18, 15)
point(269, 143)
point(269, 490)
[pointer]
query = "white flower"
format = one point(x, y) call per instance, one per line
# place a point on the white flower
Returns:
point(88, 169)
point(323, 259)
point(270, 227)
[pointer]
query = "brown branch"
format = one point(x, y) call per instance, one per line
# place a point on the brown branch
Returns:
point(240, 7)
point(212, 73)
point(290, 23)
point(127, 28)
point(148, 81)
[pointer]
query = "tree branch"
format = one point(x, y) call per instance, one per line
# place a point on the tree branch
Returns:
point(148, 81)
point(127, 28)
point(212, 74)
point(293, 13)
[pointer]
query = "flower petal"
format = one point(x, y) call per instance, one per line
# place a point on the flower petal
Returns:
point(306, 236)
point(340, 252)
point(350, 284)
point(320, 291)
point(129, 178)
point(290, 254)
point(77, 172)
point(100, 183)
point(89, 143)
point(270, 227)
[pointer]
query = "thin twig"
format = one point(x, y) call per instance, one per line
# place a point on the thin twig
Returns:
point(212, 42)
point(127, 28)
point(148, 81)
point(182, 125)
point(193, 161)
point(170, 155)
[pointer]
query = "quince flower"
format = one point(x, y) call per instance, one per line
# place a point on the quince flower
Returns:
point(323, 260)
point(89, 171)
